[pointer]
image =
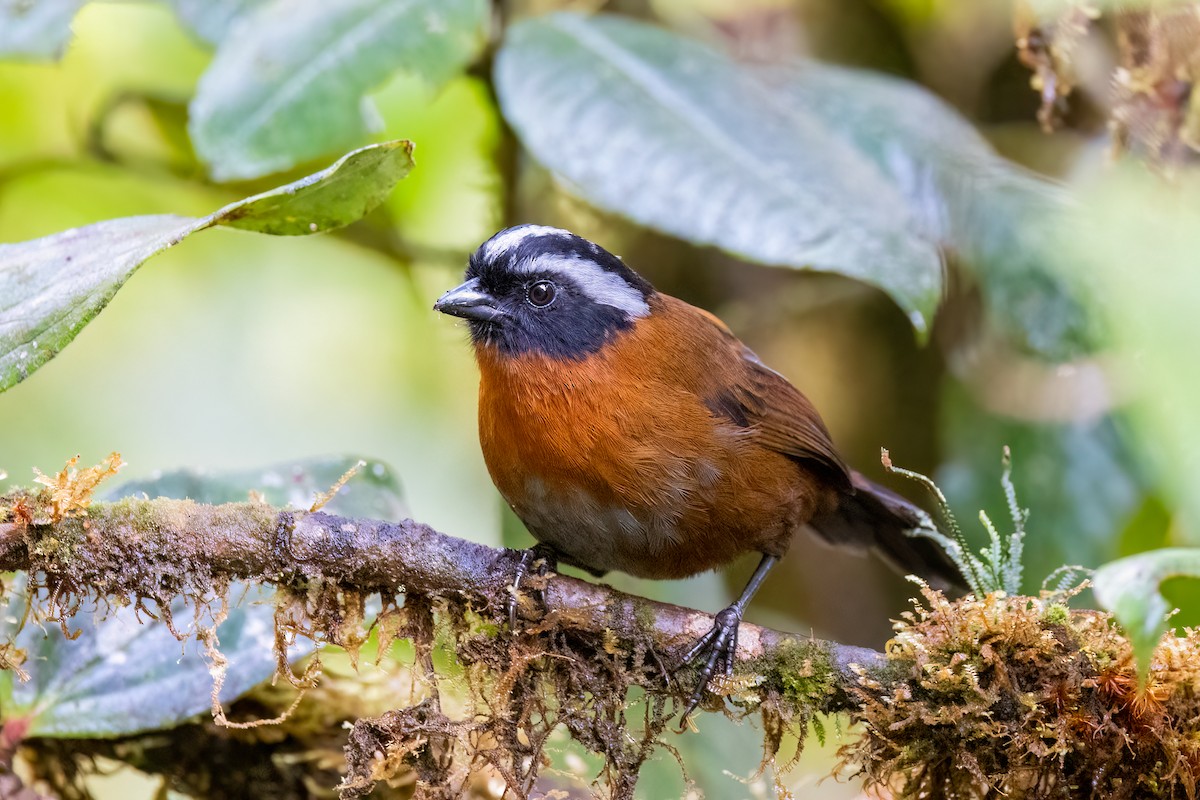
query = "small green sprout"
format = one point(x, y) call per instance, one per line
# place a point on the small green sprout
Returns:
point(998, 566)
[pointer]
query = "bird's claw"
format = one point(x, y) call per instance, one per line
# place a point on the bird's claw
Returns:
point(536, 560)
point(721, 644)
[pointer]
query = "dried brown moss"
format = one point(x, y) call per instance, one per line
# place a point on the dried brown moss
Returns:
point(1019, 697)
point(519, 690)
point(513, 694)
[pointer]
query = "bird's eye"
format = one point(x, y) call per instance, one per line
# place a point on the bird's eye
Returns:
point(541, 294)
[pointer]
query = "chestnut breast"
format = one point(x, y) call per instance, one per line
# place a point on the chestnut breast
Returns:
point(627, 460)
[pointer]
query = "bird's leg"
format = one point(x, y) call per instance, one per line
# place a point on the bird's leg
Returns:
point(721, 642)
point(529, 561)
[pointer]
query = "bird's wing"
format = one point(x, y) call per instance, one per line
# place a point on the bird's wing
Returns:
point(785, 420)
point(761, 399)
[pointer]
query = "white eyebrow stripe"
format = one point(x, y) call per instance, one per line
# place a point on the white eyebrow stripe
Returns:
point(600, 285)
point(511, 238)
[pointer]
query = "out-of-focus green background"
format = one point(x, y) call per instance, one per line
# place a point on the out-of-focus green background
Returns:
point(236, 350)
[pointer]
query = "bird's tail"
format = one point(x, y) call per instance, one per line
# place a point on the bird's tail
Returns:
point(877, 519)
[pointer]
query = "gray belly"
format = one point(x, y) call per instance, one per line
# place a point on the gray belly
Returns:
point(598, 536)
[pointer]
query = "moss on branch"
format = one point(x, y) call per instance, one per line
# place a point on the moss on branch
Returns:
point(977, 697)
point(587, 640)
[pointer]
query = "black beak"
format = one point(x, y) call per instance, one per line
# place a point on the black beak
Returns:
point(469, 302)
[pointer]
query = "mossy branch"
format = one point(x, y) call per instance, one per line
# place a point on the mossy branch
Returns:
point(1001, 695)
point(157, 549)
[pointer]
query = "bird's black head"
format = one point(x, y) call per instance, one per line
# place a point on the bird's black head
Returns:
point(538, 289)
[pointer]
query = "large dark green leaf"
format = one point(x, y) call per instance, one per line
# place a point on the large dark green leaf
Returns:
point(1131, 589)
point(1004, 222)
point(36, 28)
point(287, 83)
point(124, 674)
point(805, 165)
point(51, 288)
point(679, 137)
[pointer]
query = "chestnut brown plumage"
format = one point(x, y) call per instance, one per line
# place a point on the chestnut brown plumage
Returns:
point(631, 431)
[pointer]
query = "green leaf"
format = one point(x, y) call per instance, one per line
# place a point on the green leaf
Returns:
point(847, 163)
point(287, 84)
point(1129, 588)
point(1002, 220)
point(123, 674)
point(681, 138)
point(36, 29)
point(50, 288)
point(211, 20)
point(373, 492)
point(326, 200)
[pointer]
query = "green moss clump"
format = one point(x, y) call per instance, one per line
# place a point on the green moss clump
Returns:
point(805, 672)
point(1020, 697)
point(1056, 614)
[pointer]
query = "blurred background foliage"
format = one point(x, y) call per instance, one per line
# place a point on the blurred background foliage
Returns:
point(1063, 279)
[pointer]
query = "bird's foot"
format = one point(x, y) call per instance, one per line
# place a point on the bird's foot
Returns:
point(538, 560)
point(720, 645)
